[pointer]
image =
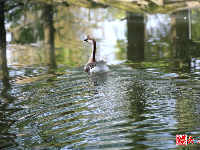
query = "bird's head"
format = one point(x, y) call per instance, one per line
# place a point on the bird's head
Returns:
point(89, 40)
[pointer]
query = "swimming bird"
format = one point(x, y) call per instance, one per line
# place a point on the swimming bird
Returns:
point(93, 66)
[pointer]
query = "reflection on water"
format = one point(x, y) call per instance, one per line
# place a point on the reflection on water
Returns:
point(24, 55)
point(165, 37)
point(143, 102)
point(134, 109)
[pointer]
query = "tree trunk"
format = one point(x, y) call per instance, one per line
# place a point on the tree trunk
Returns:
point(49, 35)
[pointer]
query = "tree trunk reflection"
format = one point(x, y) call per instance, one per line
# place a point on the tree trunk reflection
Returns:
point(180, 37)
point(49, 35)
point(135, 25)
point(3, 60)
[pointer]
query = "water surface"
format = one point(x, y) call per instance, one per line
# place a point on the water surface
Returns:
point(150, 95)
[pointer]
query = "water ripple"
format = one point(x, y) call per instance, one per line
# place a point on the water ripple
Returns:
point(131, 110)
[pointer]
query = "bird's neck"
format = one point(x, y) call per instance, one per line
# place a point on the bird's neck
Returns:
point(92, 57)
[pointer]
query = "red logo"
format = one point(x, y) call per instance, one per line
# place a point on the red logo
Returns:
point(190, 140)
point(181, 140)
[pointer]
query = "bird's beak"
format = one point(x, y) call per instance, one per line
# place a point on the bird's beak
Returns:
point(86, 40)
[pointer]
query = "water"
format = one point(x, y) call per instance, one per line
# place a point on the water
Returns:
point(134, 109)
point(150, 95)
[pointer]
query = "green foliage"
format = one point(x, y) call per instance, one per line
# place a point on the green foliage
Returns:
point(25, 22)
point(13, 15)
point(26, 35)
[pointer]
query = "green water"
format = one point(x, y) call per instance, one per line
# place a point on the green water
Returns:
point(150, 95)
point(134, 109)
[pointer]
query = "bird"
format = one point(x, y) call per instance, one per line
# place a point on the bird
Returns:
point(93, 66)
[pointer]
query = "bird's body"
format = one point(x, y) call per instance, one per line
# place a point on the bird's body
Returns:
point(89, 66)
point(92, 65)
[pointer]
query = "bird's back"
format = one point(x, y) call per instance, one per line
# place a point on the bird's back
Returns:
point(100, 67)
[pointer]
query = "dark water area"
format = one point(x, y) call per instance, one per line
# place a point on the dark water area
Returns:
point(151, 94)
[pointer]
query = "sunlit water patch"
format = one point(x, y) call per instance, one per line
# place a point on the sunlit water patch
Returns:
point(133, 109)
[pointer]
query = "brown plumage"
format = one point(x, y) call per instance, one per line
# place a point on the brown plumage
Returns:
point(89, 66)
